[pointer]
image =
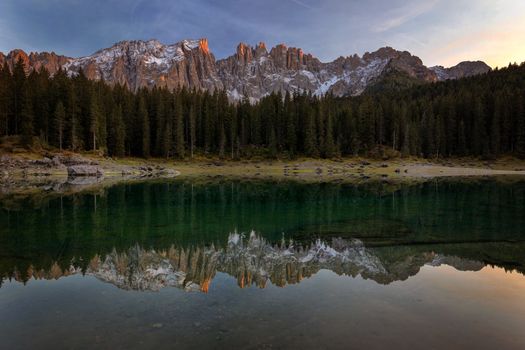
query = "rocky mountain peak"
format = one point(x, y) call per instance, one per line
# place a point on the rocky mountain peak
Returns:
point(203, 45)
point(244, 53)
point(35, 60)
point(138, 63)
point(260, 50)
point(254, 71)
point(461, 70)
point(15, 55)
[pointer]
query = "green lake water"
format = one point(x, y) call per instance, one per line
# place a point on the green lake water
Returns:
point(254, 264)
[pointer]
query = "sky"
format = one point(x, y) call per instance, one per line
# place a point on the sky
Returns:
point(442, 32)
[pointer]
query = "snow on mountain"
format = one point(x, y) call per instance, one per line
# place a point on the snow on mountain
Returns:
point(461, 70)
point(138, 64)
point(252, 260)
point(252, 72)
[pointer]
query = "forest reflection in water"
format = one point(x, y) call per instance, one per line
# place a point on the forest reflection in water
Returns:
point(150, 235)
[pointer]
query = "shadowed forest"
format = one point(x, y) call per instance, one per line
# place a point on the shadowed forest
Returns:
point(478, 116)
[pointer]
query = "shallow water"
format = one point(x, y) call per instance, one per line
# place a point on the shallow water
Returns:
point(238, 264)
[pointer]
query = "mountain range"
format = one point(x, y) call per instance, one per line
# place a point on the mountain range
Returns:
point(252, 72)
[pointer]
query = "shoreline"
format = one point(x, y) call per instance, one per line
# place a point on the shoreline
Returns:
point(23, 171)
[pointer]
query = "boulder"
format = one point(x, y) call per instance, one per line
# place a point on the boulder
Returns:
point(56, 161)
point(84, 170)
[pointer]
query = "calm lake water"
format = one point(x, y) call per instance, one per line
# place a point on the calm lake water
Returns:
point(238, 264)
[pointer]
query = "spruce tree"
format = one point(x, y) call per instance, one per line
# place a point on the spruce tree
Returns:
point(26, 117)
point(73, 119)
point(59, 123)
point(117, 132)
point(95, 119)
point(145, 132)
point(222, 139)
point(179, 128)
point(18, 86)
point(192, 122)
point(5, 98)
point(310, 135)
point(272, 144)
point(291, 134)
point(520, 129)
point(480, 140)
point(163, 130)
point(330, 149)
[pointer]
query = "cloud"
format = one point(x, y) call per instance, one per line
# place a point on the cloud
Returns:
point(300, 3)
point(404, 14)
point(491, 30)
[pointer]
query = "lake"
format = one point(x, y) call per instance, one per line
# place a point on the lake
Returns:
point(230, 263)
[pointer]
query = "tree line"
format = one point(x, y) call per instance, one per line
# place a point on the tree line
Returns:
point(478, 116)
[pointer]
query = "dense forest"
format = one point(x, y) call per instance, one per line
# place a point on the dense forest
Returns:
point(478, 116)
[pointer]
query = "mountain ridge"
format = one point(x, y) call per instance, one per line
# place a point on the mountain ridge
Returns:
point(252, 71)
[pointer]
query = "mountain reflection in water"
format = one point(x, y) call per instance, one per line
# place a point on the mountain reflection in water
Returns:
point(374, 265)
point(252, 260)
point(149, 235)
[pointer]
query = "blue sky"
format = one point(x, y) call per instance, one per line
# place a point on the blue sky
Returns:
point(439, 31)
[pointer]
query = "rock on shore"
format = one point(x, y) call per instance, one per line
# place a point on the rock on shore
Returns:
point(84, 170)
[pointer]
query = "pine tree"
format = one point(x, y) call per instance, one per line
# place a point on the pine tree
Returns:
point(480, 139)
point(495, 136)
point(380, 124)
point(452, 137)
point(26, 117)
point(42, 105)
point(73, 118)
point(520, 137)
point(163, 131)
point(19, 79)
point(167, 135)
point(330, 149)
point(208, 123)
point(179, 128)
point(405, 150)
point(272, 144)
point(366, 124)
point(233, 130)
point(355, 142)
point(291, 134)
point(117, 132)
point(222, 140)
point(59, 123)
point(5, 90)
point(94, 120)
point(145, 133)
point(192, 122)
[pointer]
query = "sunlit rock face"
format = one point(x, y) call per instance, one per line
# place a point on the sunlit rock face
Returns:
point(138, 64)
point(35, 61)
point(251, 73)
point(252, 261)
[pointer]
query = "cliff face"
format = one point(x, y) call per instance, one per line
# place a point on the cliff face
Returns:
point(139, 64)
point(255, 72)
point(252, 72)
point(35, 61)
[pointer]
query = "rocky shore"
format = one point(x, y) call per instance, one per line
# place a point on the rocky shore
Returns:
point(20, 172)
